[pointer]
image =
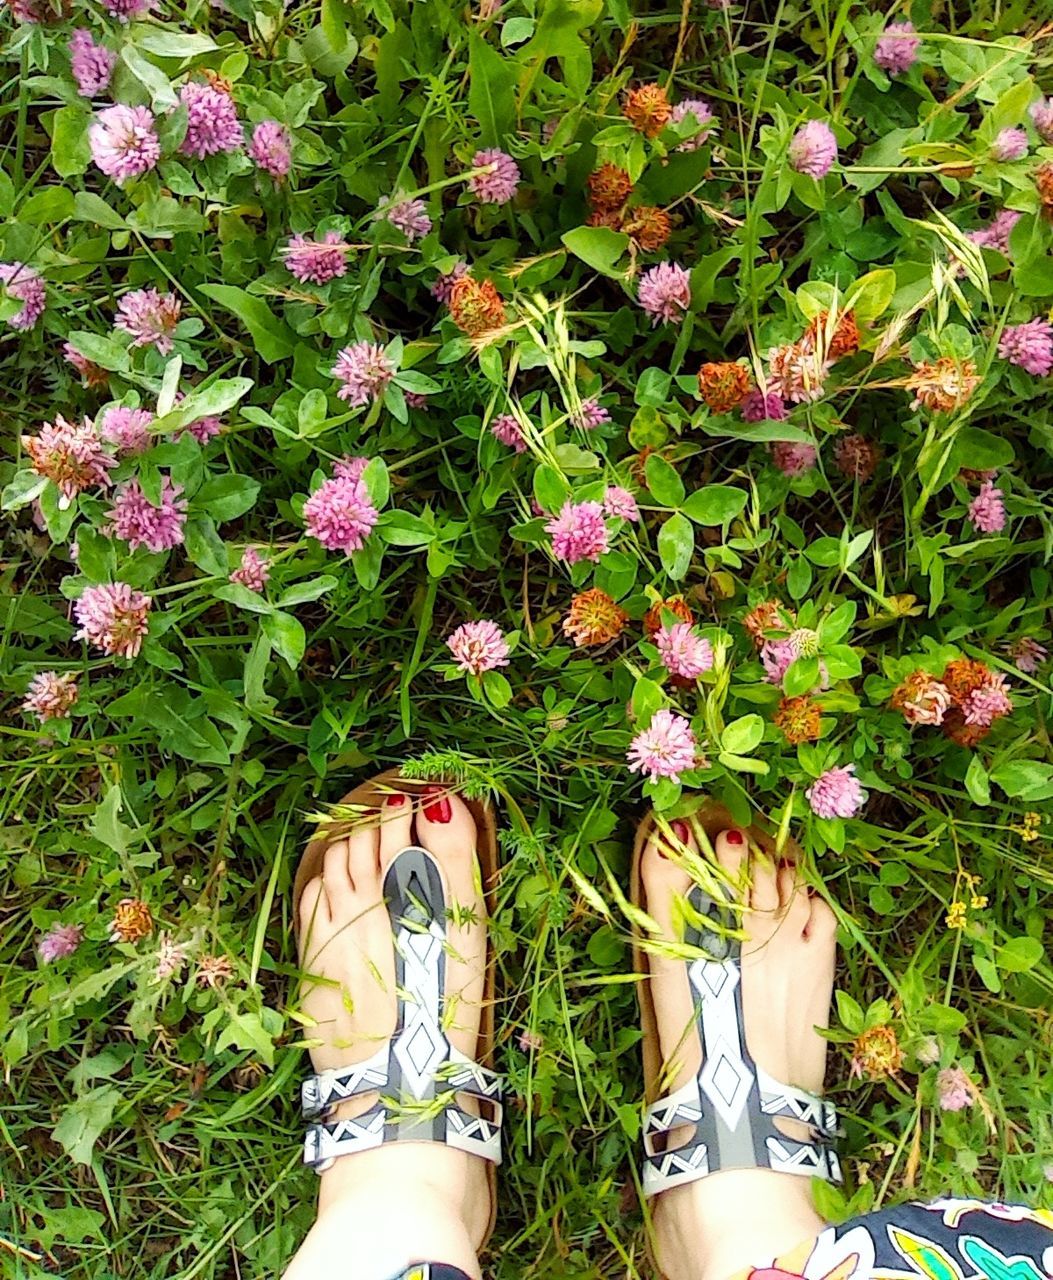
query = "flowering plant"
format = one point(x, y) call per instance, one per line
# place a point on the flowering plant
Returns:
point(599, 405)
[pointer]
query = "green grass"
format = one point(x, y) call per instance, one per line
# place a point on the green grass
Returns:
point(150, 1129)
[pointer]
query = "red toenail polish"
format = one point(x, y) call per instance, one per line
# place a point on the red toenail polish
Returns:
point(735, 837)
point(440, 809)
point(681, 830)
point(396, 798)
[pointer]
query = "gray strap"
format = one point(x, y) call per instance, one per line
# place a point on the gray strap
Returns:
point(418, 1075)
point(729, 1109)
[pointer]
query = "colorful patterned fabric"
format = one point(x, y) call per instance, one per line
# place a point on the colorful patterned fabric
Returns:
point(431, 1271)
point(945, 1240)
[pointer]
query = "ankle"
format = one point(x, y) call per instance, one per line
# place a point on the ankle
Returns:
point(367, 1182)
point(706, 1235)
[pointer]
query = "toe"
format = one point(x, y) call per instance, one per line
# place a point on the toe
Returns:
point(793, 899)
point(445, 827)
point(822, 923)
point(314, 906)
point(664, 878)
point(337, 876)
point(731, 848)
point(396, 825)
point(363, 846)
point(764, 892)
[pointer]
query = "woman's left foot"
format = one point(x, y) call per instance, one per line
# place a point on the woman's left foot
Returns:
point(787, 979)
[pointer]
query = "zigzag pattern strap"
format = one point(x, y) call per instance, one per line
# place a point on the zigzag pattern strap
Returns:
point(320, 1094)
point(419, 1076)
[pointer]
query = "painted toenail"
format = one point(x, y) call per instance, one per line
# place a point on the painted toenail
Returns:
point(396, 798)
point(681, 830)
point(440, 809)
point(736, 837)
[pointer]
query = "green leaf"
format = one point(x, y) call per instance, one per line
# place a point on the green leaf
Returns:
point(106, 826)
point(404, 529)
point(226, 497)
point(286, 634)
point(83, 1122)
point(242, 597)
point(303, 592)
point(598, 247)
point(743, 735)
point(676, 545)
point(1019, 954)
point(1024, 779)
point(108, 353)
point(153, 79)
point(88, 207)
point(491, 91)
point(977, 783)
point(715, 504)
point(205, 402)
point(652, 388)
point(648, 698)
point(871, 294)
point(550, 489)
point(26, 486)
point(497, 689)
point(204, 546)
point(663, 481)
point(849, 1012)
point(272, 337)
point(1035, 279)
point(70, 152)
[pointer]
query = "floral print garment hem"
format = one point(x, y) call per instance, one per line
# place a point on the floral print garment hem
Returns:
point(432, 1271)
point(945, 1240)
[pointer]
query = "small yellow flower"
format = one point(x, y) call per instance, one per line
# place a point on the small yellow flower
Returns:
point(956, 916)
point(979, 901)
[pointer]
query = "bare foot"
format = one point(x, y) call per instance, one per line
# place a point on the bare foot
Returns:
point(348, 959)
point(787, 981)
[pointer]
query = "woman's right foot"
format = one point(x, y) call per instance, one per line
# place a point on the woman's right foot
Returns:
point(380, 1209)
point(701, 1230)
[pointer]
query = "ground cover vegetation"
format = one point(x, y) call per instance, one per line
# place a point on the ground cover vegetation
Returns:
point(602, 405)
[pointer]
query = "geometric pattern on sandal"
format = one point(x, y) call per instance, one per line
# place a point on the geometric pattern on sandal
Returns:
point(724, 1118)
point(418, 1076)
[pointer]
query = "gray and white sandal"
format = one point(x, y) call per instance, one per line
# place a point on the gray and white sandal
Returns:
point(724, 1118)
point(423, 1088)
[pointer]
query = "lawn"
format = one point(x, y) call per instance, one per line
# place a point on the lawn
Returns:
point(697, 361)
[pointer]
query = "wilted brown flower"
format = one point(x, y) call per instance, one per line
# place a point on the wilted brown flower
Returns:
point(476, 306)
point(965, 735)
point(876, 1054)
point(605, 218)
point(213, 971)
point(723, 385)
point(609, 188)
point(944, 385)
point(845, 338)
point(675, 605)
point(922, 698)
point(647, 108)
point(1044, 184)
point(764, 617)
point(594, 619)
point(856, 457)
point(132, 921)
point(798, 718)
point(964, 676)
point(648, 225)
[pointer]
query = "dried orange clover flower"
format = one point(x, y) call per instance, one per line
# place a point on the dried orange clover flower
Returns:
point(609, 188)
point(944, 385)
point(594, 619)
point(648, 109)
point(798, 718)
point(476, 306)
point(845, 338)
point(876, 1054)
point(724, 385)
point(648, 225)
point(766, 616)
point(132, 921)
point(675, 605)
point(1044, 183)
